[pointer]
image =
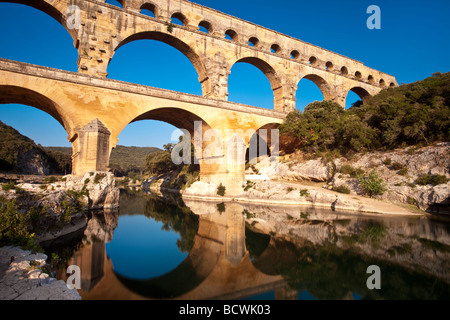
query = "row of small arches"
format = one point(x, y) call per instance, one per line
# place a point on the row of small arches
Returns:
point(179, 18)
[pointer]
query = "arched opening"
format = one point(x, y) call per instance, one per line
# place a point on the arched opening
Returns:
point(261, 145)
point(158, 64)
point(371, 79)
point(157, 60)
point(231, 35)
point(117, 3)
point(275, 48)
point(18, 95)
point(206, 27)
point(154, 129)
point(37, 39)
point(313, 61)
point(382, 83)
point(295, 55)
point(311, 88)
point(344, 71)
point(149, 9)
point(247, 85)
point(352, 99)
point(356, 94)
point(179, 19)
point(254, 42)
point(358, 75)
point(329, 66)
point(392, 85)
point(39, 119)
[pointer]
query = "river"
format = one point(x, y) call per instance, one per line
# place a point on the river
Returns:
point(154, 249)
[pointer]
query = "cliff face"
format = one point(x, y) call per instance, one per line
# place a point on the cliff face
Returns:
point(32, 162)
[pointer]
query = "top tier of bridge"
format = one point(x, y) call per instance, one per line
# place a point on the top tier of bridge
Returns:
point(99, 29)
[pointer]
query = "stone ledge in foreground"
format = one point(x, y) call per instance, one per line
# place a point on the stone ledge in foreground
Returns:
point(20, 281)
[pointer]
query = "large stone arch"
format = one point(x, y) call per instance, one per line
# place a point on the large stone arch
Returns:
point(178, 44)
point(361, 92)
point(11, 94)
point(322, 84)
point(272, 75)
point(182, 119)
point(56, 10)
point(179, 118)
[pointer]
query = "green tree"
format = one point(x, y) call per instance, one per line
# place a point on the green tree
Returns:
point(372, 184)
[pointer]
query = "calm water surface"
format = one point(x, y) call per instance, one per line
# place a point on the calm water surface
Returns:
point(150, 249)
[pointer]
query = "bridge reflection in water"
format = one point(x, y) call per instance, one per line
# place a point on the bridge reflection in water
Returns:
point(227, 260)
point(218, 265)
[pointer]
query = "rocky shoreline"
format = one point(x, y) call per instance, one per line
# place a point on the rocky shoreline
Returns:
point(60, 207)
point(312, 182)
point(21, 278)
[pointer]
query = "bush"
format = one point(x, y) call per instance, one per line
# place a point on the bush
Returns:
point(387, 161)
point(221, 207)
point(249, 184)
point(221, 190)
point(304, 193)
point(397, 166)
point(8, 186)
point(50, 179)
point(99, 177)
point(341, 189)
point(15, 226)
point(353, 172)
point(433, 179)
point(403, 171)
point(289, 189)
point(372, 184)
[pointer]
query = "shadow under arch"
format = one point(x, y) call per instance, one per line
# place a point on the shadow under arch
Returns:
point(271, 75)
point(10, 94)
point(180, 118)
point(263, 142)
point(321, 83)
point(186, 277)
point(177, 44)
point(52, 11)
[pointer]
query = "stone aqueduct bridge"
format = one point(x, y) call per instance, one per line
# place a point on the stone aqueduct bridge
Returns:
point(94, 110)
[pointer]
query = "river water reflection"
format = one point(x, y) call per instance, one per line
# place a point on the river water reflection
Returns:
point(151, 249)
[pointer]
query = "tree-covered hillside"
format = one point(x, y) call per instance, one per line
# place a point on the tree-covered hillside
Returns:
point(123, 159)
point(21, 154)
point(412, 114)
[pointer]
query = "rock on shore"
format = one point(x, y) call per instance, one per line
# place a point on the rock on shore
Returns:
point(22, 279)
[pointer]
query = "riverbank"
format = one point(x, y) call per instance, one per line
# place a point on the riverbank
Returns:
point(38, 210)
point(412, 181)
point(298, 194)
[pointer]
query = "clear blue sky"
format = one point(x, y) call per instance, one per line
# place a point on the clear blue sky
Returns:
point(412, 44)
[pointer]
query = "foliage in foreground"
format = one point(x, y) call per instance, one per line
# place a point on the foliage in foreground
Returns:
point(15, 226)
